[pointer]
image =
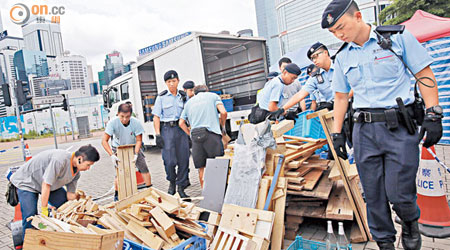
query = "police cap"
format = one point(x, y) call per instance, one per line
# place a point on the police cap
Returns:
point(171, 74)
point(334, 11)
point(310, 68)
point(272, 74)
point(293, 69)
point(188, 85)
point(314, 48)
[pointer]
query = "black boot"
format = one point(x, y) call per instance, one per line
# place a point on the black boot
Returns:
point(411, 239)
point(180, 190)
point(172, 187)
point(386, 245)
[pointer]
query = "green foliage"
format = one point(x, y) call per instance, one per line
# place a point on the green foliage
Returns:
point(402, 10)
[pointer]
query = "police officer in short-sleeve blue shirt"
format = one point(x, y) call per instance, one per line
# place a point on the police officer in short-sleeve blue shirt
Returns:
point(174, 142)
point(385, 136)
point(269, 97)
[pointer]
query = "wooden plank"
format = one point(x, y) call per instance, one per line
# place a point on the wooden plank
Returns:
point(321, 191)
point(282, 127)
point(298, 138)
point(295, 219)
point(126, 168)
point(163, 220)
point(132, 170)
point(278, 224)
point(336, 175)
point(262, 194)
point(43, 240)
point(120, 205)
point(304, 211)
point(216, 174)
point(355, 197)
point(162, 233)
point(304, 171)
point(120, 173)
point(190, 230)
point(295, 187)
point(296, 180)
point(150, 239)
point(339, 207)
point(292, 174)
point(306, 152)
point(312, 178)
point(244, 221)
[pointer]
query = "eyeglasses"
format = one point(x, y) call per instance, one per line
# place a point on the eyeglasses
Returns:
point(314, 57)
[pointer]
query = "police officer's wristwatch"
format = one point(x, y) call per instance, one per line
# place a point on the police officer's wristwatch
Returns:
point(437, 110)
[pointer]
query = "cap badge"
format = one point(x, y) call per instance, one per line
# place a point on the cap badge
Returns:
point(172, 76)
point(330, 19)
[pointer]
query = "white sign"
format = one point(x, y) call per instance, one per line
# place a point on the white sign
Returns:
point(429, 179)
point(47, 99)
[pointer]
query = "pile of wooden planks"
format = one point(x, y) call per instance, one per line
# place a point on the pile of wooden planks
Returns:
point(151, 217)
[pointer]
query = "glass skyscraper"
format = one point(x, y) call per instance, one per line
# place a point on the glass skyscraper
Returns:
point(266, 17)
point(26, 63)
point(299, 22)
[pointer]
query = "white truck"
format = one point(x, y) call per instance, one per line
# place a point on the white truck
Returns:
point(227, 64)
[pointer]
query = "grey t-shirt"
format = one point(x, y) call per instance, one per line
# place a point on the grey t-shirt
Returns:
point(51, 166)
point(288, 92)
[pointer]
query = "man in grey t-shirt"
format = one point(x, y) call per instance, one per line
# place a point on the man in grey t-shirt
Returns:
point(46, 174)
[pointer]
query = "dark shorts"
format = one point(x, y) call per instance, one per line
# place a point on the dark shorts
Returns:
point(140, 162)
point(211, 147)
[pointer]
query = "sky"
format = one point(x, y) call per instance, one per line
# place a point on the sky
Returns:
point(97, 27)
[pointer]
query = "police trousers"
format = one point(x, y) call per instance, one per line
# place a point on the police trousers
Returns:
point(175, 152)
point(387, 163)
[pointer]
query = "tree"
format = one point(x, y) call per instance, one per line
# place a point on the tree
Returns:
point(402, 10)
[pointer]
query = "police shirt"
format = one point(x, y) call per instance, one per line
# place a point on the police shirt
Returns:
point(288, 92)
point(124, 135)
point(201, 112)
point(377, 76)
point(168, 107)
point(52, 167)
point(324, 91)
point(272, 92)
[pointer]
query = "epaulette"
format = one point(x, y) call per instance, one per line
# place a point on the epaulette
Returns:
point(163, 93)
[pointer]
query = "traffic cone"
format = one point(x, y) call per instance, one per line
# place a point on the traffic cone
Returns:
point(434, 218)
point(27, 153)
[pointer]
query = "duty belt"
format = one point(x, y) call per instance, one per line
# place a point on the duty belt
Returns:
point(378, 115)
point(170, 124)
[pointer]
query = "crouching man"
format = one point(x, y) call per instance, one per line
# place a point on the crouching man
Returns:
point(46, 174)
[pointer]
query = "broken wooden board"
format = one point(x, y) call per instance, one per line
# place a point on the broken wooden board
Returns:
point(336, 175)
point(150, 239)
point(354, 194)
point(282, 127)
point(264, 185)
point(227, 239)
point(312, 178)
point(263, 225)
point(321, 191)
point(298, 138)
point(213, 191)
point(339, 207)
point(163, 221)
point(126, 172)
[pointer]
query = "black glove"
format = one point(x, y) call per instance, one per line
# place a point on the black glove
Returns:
point(339, 145)
point(291, 115)
point(276, 114)
point(298, 110)
point(432, 124)
point(190, 142)
point(159, 141)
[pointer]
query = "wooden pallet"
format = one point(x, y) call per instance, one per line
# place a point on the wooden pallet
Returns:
point(227, 239)
point(126, 172)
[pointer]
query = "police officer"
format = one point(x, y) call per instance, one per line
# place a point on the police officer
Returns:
point(269, 97)
point(321, 82)
point(291, 89)
point(385, 150)
point(188, 87)
point(310, 71)
point(202, 111)
point(272, 75)
point(174, 142)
